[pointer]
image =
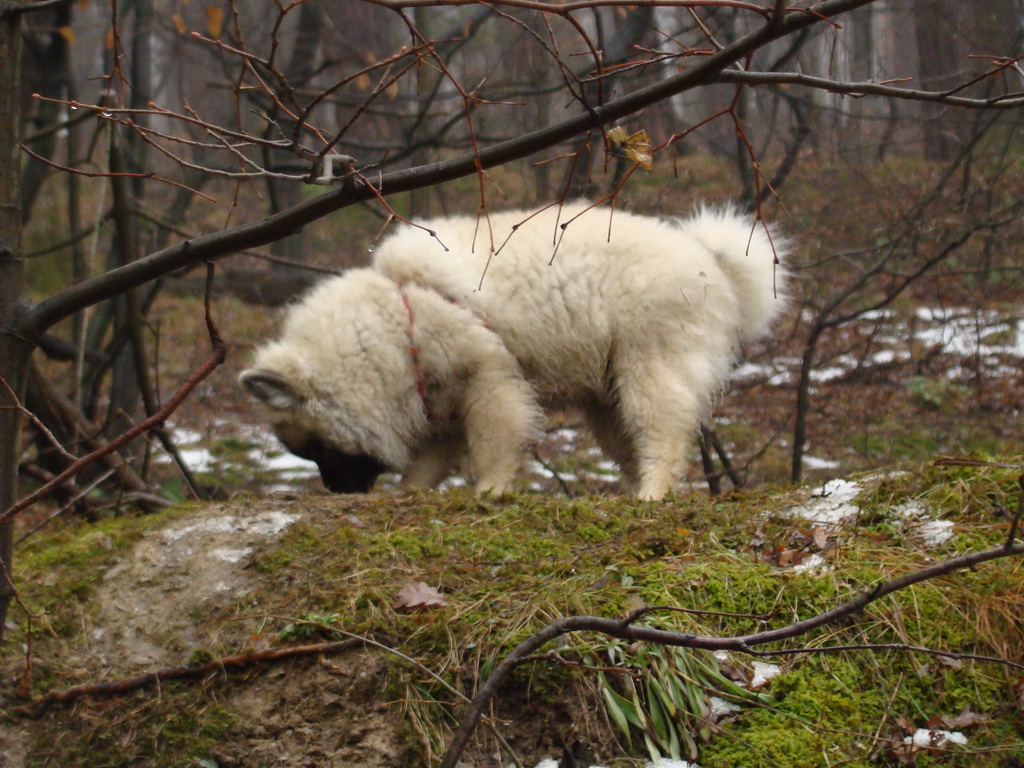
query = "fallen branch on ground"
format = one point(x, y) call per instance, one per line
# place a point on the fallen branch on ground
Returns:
point(237, 661)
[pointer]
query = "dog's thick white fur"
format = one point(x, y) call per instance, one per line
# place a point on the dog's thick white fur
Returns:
point(632, 320)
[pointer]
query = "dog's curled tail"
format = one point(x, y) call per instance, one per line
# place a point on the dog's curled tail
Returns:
point(747, 256)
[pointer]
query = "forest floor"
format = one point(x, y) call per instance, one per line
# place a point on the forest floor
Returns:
point(320, 630)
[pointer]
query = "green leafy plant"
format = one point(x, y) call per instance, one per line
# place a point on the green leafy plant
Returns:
point(663, 695)
point(309, 625)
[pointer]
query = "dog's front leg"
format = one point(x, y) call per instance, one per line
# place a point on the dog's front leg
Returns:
point(501, 419)
point(435, 461)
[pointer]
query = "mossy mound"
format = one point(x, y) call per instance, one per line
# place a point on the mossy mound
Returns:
point(131, 595)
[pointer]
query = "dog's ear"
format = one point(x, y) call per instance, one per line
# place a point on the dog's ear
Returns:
point(271, 388)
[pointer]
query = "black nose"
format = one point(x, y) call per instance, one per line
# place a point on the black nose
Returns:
point(341, 472)
point(347, 473)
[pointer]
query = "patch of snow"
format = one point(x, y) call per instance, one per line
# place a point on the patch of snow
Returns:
point(910, 510)
point(565, 435)
point(286, 463)
point(830, 505)
point(877, 314)
point(603, 477)
point(196, 459)
point(262, 524)
point(748, 370)
point(925, 738)
point(884, 356)
point(185, 436)
point(838, 490)
point(763, 672)
point(775, 374)
point(266, 456)
point(813, 563)
point(934, 532)
point(814, 462)
point(960, 331)
point(231, 555)
point(931, 533)
point(539, 469)
point(841, 365)
point(721, 708)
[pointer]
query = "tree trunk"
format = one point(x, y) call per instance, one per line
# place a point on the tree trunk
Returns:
point(128, 369)
point(803, 403)
point(298, 72)
point(46, 72)
point(14, 350)
point(940, 65)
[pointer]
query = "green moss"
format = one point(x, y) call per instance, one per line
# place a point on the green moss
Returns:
point(165, 732)
point(815, 719)
point(827, 708)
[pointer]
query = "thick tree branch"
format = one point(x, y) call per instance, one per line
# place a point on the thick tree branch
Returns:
point(10, 10)
point(216, 666)
point(580, 5)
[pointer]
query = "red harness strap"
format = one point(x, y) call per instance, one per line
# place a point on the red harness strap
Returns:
point(414, 352)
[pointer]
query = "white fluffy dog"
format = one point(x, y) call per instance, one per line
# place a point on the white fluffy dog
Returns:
point(446, 346)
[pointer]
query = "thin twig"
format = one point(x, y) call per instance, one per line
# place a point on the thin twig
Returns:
point(887, 647)
point(71, 503)
point(639, 613)
point(558, 478)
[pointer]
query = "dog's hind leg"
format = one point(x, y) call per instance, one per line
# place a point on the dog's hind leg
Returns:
point(604, 419)
point(661, 403)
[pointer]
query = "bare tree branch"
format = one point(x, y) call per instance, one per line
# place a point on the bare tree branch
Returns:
point(580, 5)
point(235, 661)
point(1006, 101)
point(48, 312)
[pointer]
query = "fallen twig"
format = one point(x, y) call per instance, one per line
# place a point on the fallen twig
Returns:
point(93, 690)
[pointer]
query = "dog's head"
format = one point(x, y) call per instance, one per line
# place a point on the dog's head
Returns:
point(298, 420)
